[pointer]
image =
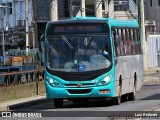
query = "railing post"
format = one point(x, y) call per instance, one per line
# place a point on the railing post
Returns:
point(37, 79)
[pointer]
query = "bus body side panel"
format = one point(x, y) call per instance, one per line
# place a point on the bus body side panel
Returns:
point(127, 79)
point(126, 67)
point(123, 72)
point(138, 69)
point(118, 72)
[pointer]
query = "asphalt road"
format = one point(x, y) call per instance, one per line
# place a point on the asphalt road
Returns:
point(148, 99)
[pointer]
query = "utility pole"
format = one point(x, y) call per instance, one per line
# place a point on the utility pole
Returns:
point(83, 9)
point(98, 8)
point(34, 31)
point(27, 27)
point(71, 8)
point(142, 25)
point(2, 20)
point(106, 8)
point(54, 10)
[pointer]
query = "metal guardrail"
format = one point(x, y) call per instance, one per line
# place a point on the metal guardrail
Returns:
point(21, 77)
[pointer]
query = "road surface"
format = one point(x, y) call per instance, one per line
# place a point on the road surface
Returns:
point(148, 99)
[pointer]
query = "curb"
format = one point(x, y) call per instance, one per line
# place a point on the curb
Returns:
point(28, 104)
point(151, 71)
point(151, 79)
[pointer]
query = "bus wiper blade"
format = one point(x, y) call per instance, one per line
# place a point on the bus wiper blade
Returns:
point(67, 42)
point(89, 43)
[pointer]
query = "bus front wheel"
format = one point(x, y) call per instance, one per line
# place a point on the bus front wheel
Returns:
point(117, 100)
point(58, 103)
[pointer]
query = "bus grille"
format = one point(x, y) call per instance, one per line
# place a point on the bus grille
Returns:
point(84, 91)
point(83, 84)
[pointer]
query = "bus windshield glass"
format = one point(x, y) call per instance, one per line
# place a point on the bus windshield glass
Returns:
point(78, 53)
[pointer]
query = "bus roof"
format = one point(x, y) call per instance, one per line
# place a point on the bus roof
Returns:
point(123, 23)
point(110, 21)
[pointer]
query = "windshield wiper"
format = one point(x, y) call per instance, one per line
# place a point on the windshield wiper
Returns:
point(89, 43)
point(67, 42)
point(72, 48)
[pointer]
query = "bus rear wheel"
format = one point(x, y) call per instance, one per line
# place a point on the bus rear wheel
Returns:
point(58, 103)
point(132, 95)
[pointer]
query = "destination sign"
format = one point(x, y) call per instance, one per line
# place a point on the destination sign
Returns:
point(81, 28)
point(77, 28)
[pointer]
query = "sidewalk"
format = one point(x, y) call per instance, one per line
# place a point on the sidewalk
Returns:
point(149, 75)
point(19, 103)
point(152, 71)
point(15, 104)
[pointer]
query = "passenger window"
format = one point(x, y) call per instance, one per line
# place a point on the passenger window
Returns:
point(136, 46)
point(134, 42)
point(128, 40)
point(117, 41)
point(124, 44)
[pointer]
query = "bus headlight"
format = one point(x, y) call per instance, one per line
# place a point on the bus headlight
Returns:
point(106, 80)
point(53, 82)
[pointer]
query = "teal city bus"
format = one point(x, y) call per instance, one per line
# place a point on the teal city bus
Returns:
point(89, 58)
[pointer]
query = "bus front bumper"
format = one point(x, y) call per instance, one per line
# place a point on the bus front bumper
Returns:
point(62, 92)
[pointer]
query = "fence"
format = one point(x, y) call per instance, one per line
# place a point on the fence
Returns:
point(14, 86)
point(154, 50)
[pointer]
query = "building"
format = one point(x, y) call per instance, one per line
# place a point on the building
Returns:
point(13, 21)
point(39, 13)
point(152, 15)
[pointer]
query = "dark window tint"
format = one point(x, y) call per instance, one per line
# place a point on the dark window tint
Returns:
point(10, 10)
point(150, 2)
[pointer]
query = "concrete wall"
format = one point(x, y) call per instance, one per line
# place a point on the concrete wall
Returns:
point(153, 50)
point(21, 91)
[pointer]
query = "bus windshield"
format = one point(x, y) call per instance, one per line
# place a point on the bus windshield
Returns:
point(78, 53)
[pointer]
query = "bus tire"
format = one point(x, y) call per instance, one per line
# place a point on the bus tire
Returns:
point(124, 98)
point(58, 103)
point(117, 100)
point(132, 95)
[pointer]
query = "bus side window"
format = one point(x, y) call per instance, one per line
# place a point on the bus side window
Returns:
point(132, 41)
point(118, 38)
point(125, 42)
point(134, 45)
point(128, 41)
point(122, 46)
point(138, 42)
point(114, 42)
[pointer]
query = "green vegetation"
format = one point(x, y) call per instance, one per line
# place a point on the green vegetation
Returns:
point(21, 91)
